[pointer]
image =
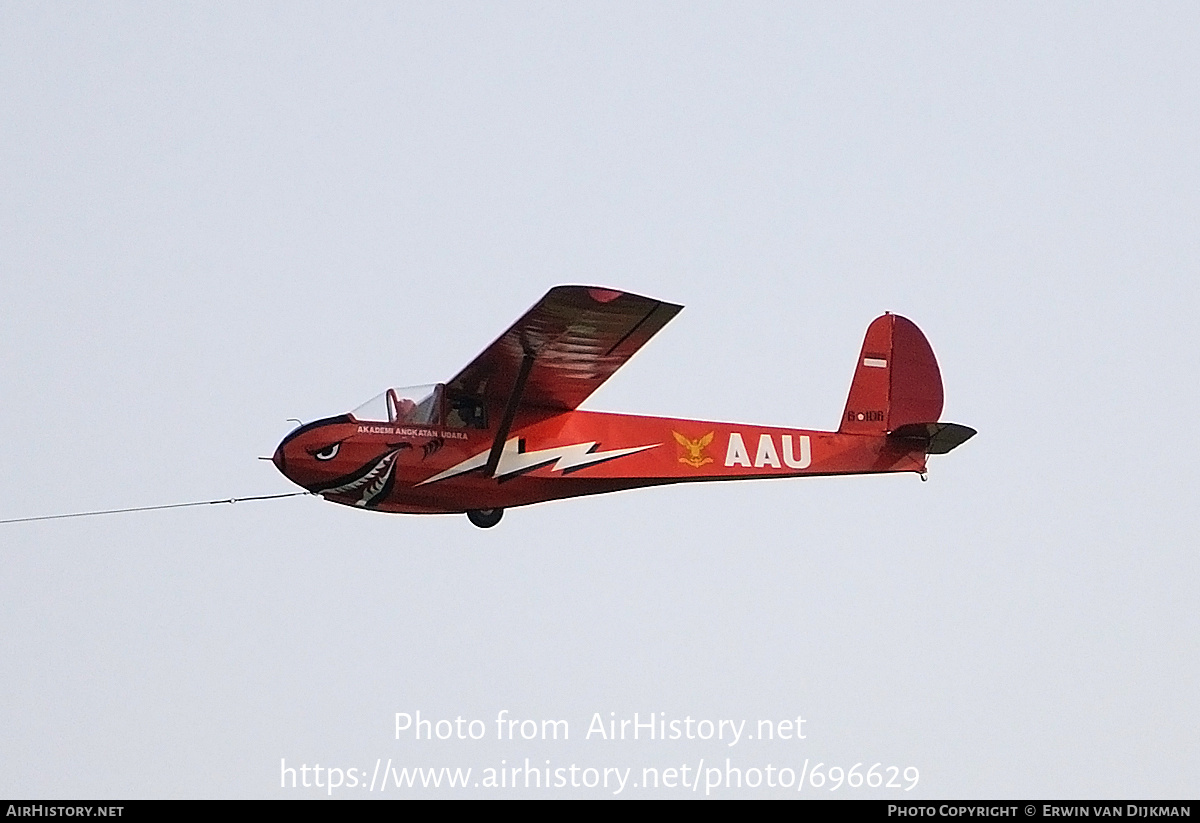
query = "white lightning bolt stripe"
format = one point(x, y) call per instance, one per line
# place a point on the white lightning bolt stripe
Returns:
point(513, 460)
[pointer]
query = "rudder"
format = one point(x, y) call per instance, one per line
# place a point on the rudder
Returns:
point(896, 382)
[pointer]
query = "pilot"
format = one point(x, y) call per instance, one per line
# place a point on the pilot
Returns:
point(401, 407)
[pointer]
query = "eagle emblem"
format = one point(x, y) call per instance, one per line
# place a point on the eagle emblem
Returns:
point(694, 454)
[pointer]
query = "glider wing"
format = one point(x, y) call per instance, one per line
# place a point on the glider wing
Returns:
point(561, 350)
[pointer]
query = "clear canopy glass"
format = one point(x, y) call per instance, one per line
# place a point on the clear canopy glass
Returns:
point(409, 404)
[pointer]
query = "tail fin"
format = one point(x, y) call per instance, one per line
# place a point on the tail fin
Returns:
point(896, 382)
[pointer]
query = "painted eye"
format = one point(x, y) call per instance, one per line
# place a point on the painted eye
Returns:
point(327, 453)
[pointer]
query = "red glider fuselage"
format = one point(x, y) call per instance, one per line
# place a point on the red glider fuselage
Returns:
point(436, 469)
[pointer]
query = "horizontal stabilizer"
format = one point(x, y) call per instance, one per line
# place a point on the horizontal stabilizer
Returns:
point(936, 438)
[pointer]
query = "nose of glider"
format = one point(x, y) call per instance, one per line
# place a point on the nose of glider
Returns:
point(308, 455)
point(278, 460)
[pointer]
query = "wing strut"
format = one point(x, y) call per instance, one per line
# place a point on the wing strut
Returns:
point(510, 412)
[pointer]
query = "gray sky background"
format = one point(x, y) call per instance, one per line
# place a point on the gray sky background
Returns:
point(214, 217)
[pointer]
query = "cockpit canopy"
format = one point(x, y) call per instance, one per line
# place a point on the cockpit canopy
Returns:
point(426, 405)
point(408, 404)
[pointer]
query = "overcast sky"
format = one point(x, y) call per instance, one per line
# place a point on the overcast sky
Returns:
point(216, 217)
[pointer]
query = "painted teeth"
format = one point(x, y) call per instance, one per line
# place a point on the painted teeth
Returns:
point(377, 487)
point(385, 463)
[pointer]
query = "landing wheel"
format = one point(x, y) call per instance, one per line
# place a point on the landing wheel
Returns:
point(485, 518)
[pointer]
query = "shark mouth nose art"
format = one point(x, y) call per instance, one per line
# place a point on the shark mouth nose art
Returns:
point(370, 483)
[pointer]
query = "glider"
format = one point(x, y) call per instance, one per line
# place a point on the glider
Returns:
point(507, 430)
